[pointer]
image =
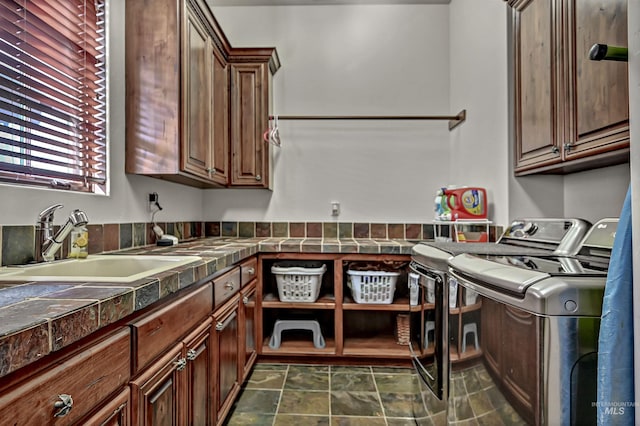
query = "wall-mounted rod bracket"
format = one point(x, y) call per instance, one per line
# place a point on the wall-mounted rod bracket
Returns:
point(459, 119)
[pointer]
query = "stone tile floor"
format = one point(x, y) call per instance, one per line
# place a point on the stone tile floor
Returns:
point(306, 395)
point(322, 395)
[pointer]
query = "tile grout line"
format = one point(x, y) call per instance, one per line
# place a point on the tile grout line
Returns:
point(375, 384)
point(330, 374)
point(275, 415)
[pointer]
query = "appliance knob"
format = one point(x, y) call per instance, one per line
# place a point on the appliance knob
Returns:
point(570, 305)
point(530, 228)
point(516, 228)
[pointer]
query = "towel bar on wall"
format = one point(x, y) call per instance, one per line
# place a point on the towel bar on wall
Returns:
point(454, 120)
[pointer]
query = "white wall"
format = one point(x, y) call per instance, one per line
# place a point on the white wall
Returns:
point(340, 60)
point(479, 147)
point(126, 202)
point(349, 60)
point(597, 193)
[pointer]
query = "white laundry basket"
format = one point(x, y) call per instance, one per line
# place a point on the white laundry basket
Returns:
point(372, 286)
point(298, 283)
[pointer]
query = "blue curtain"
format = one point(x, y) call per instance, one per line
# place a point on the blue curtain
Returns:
point(615, 345)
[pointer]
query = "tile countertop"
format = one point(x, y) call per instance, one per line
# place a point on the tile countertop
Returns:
point(38, 319)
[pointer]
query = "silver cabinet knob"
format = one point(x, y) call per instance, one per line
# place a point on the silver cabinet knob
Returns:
point(191, 354)
point(180, 364)
point(258, 178)
point(65, 405)
point(251, 271)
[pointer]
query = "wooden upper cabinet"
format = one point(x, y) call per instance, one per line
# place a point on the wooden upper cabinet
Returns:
point(178, 97)
point(249, 120)
point(251, 73)
point(571, 113)
point(197, 87)
point(598, 114)
point(536, 86)
point(220, 153)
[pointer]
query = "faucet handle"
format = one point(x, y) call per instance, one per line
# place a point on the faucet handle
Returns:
point(46, 216)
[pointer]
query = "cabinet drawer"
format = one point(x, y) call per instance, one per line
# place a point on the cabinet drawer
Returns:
point(160, 329)
point(225, 286)
point(248, 270)
point(88, 378)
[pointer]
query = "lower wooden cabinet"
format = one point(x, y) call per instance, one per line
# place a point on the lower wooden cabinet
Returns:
point(514, 371)
point(155, 393)
point(181, 363)
point(199, 373)
point(226, 346)
point(519, 372)
point(248, 352)
point(71, 387)
point(116, 412)
point(177, 388)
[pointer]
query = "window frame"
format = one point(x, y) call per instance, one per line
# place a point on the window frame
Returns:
point(47, 141)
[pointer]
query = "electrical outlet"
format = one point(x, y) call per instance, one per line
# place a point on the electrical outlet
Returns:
point(153, 202)
point(335, 208)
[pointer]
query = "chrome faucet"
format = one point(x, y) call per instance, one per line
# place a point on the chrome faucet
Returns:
point(48, 244)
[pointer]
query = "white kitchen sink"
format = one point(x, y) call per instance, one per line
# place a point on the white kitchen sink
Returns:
point(106, 268)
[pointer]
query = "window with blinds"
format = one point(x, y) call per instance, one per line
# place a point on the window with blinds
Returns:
point(53, 94)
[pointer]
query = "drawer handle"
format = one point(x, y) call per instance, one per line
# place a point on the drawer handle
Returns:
point(221, 325)
point(245, 300)
point(191, 354)
point(65, 405)
point(228, 286)
point(180, 364)
point(251, 271)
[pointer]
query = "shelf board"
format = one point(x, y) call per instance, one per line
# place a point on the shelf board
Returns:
point(464, 309)
point(271, 301)
point(468, 354)
point(299, 347)
point(401, 304)
point(384, 346)
point(430, 350)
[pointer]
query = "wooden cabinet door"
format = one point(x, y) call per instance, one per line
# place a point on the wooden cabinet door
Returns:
point(197, 128)
point(156, 396)
point(536, 86)
point(220, 117)
point(88, 378)
point(117, 412)
point(491, 320)
point(598, 107)
point(249, 120)
point(226, 325)
point(521, 366)
point(199, 374)
point(247, 337)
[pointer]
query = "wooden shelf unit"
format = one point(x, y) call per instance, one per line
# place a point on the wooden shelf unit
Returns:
point(347, 326)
